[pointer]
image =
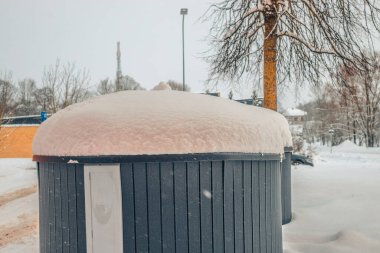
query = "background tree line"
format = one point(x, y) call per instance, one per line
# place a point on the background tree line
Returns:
point(61, 86)
point(349, 104)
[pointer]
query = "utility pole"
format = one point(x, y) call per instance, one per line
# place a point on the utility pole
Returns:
point(183, 13)
point(119, 75)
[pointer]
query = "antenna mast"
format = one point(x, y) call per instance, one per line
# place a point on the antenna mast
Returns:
point(119, 75)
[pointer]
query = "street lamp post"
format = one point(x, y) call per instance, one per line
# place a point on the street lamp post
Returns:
point(331, 132)
point(183, 13)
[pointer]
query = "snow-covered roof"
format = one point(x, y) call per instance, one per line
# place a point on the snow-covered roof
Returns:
point(160, 122)
point(294, 112)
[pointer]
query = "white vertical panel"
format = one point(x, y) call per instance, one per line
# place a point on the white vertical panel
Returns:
point(104, 226)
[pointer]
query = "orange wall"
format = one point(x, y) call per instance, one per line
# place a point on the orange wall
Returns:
point(16, 141)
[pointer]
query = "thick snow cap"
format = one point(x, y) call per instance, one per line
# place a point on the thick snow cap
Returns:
point(161, 122)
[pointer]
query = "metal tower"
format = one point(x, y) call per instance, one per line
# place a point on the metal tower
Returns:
point(119, 75)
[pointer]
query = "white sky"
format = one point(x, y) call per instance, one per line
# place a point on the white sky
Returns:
point(35, 33)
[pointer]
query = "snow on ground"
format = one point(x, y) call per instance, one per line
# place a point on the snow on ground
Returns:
point(18, 206)
point(336, 204)
point(16, 174)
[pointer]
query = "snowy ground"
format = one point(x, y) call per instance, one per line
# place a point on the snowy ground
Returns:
point(336, 204)
point(18, 206)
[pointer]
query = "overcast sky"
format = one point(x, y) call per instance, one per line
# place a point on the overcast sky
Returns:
point(34, 33)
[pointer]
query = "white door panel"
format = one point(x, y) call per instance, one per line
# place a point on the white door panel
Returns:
point(104, 226)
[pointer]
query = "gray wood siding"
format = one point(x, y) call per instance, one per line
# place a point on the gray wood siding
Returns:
point(286, 188)
point(215, 206)
point(229, 206)
point(62, 213)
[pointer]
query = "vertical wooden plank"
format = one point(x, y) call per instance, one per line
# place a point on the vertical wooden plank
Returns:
point(238, 206)
point(58, 210)
point(262, 187)
point(154, 207)
point(248, 223)
point(229, 232)
point(206, 206)
point(283, 191)
point(65, 208)
point(47, 208)
point(141, 207)
point(180, 196)
point(279, 214)
point(268, 204)
point(71, 183)
point(193, 207)
point(51, 208)
point(273, 209)
point(42, 208)
point(81, 214)
point(167, 207)
point(128, 198)
point(217, 206)
point(256, 206)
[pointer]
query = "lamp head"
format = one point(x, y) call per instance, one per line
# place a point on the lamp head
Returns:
point(184, 11)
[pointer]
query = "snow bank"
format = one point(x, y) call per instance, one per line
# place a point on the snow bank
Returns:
point(336, 204)
point(19, 172)
point(164, 122)
point(347, 145)
point(294, 112)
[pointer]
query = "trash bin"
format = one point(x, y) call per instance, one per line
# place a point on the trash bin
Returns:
point(286, 187)
point(160, 171)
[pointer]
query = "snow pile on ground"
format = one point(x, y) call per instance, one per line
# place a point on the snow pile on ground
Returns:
point(347, 145)
point(336, 204)
point(294, 112)
point(161, 122)
point(18, 206)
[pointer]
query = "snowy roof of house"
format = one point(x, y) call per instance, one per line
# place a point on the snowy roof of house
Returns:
point(294, 112)
point(161, 122)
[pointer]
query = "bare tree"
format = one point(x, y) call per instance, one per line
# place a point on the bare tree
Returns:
point(25, 101)
point(294, 40)
point(7, 92)
point(125, 83)
point(66, 84)
point(177, 85)
point(129, 83)
point(43, 97)
point(105, 86)
point(359, 96)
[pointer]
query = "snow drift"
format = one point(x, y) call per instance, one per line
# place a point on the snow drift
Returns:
point(161, 122)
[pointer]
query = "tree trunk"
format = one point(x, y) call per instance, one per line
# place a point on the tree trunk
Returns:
point(270, 60)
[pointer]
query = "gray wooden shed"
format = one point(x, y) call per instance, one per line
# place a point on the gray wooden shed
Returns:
point(142, 189)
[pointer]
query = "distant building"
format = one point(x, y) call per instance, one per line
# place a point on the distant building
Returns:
point(215, 94)
point(16, 136)
point(295, 116)
point(249, 101)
